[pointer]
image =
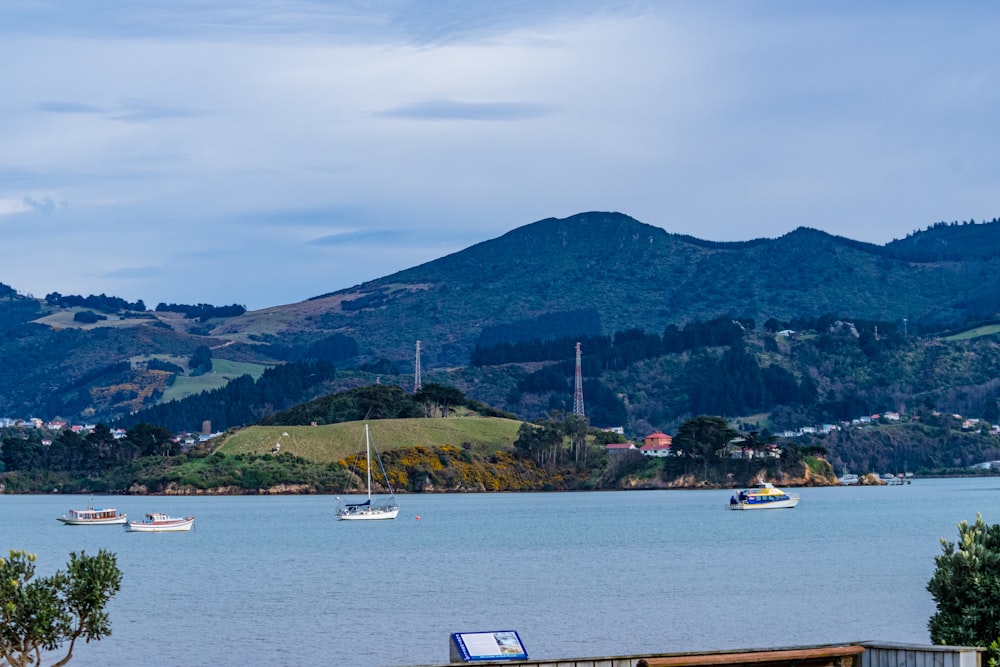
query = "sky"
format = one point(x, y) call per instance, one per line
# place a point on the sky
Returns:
point(263, 152)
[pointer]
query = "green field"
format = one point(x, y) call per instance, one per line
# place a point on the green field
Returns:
point(332, 442)
point(223, 371)
point(988, 330)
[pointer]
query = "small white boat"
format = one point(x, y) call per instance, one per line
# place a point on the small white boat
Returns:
point(848, 479)
point(765, 497)
point(93, 516)
point(160, 523)
point(367, 510)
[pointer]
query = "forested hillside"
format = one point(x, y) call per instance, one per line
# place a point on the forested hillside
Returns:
point(801, 372)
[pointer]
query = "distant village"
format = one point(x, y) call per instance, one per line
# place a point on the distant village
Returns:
point(185, 439)
point(659, 444)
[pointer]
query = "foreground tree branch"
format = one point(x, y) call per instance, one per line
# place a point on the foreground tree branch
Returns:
point(41, 615)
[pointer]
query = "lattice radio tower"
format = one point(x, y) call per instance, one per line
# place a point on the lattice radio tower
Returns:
point(416, 372)
point(578, 386)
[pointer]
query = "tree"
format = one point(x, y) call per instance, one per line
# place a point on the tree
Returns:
point(966, 588)
point(703, 437)
point(21, 453)
point(542, 442)
point(577, 428)
point(200, 361)
point(151, 440)
point(102, 443)
point(439, 398)
point(41, 615)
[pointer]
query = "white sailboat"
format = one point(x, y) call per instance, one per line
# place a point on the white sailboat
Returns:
point(368, 510)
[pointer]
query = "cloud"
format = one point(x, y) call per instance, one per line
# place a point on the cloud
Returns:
point(125, 109)
point(13, 206)
point(137, 110)
point(68, 108)
point(384, 238)
point(455, 110)
point(135, 272)
point(28, 204)
point(45, 205)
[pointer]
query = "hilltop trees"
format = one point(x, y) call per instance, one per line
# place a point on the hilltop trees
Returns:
point(439, 399)
point(43, 614)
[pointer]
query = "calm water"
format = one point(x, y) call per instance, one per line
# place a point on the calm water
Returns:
point(277, 581)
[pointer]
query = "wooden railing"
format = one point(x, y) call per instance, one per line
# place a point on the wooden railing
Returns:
point(823, 656)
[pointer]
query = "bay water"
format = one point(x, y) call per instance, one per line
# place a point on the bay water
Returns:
point(276, 580)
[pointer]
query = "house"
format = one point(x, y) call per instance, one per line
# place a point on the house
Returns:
point(615, 447)
point(658, 439)
point(656, 444)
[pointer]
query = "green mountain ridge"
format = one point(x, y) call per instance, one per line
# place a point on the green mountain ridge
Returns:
point(590, 274)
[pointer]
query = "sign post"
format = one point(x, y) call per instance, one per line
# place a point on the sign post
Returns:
point(486, 646)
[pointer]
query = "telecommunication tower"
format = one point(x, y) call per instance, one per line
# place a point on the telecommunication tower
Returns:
point(416, 373)
point(578, 386)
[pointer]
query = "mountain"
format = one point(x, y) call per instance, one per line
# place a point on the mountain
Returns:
point(623, 273)
point(590, 274)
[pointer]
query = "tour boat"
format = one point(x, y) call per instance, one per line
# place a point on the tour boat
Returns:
point(765, 497)
point(366, 511)
point(93, 516)
point(160, 523)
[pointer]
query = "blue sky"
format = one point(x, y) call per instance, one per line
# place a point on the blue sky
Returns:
point(262, 152)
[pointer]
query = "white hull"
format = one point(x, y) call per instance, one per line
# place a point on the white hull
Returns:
point(168, 525)
point(100, 516)
point(764, 497)
point(773, 505)
point(93, 522)
point(371, 514)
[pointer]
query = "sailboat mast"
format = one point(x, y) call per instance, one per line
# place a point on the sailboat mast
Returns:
point(368, 462)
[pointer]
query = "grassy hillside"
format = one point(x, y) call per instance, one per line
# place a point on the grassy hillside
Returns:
point(222, 372)
point(976, 332)
point(333, 442)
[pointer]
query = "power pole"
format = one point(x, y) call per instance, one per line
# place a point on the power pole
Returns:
point(578, 386)
point(416, 373)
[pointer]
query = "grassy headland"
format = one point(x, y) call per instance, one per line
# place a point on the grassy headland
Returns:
point(334, 442)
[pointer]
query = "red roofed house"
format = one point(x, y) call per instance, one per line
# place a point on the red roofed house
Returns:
point(656, 444)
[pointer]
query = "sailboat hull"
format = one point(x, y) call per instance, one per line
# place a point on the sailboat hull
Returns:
point(368, 513)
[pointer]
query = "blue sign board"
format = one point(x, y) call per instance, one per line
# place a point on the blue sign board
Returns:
point(483, 646)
